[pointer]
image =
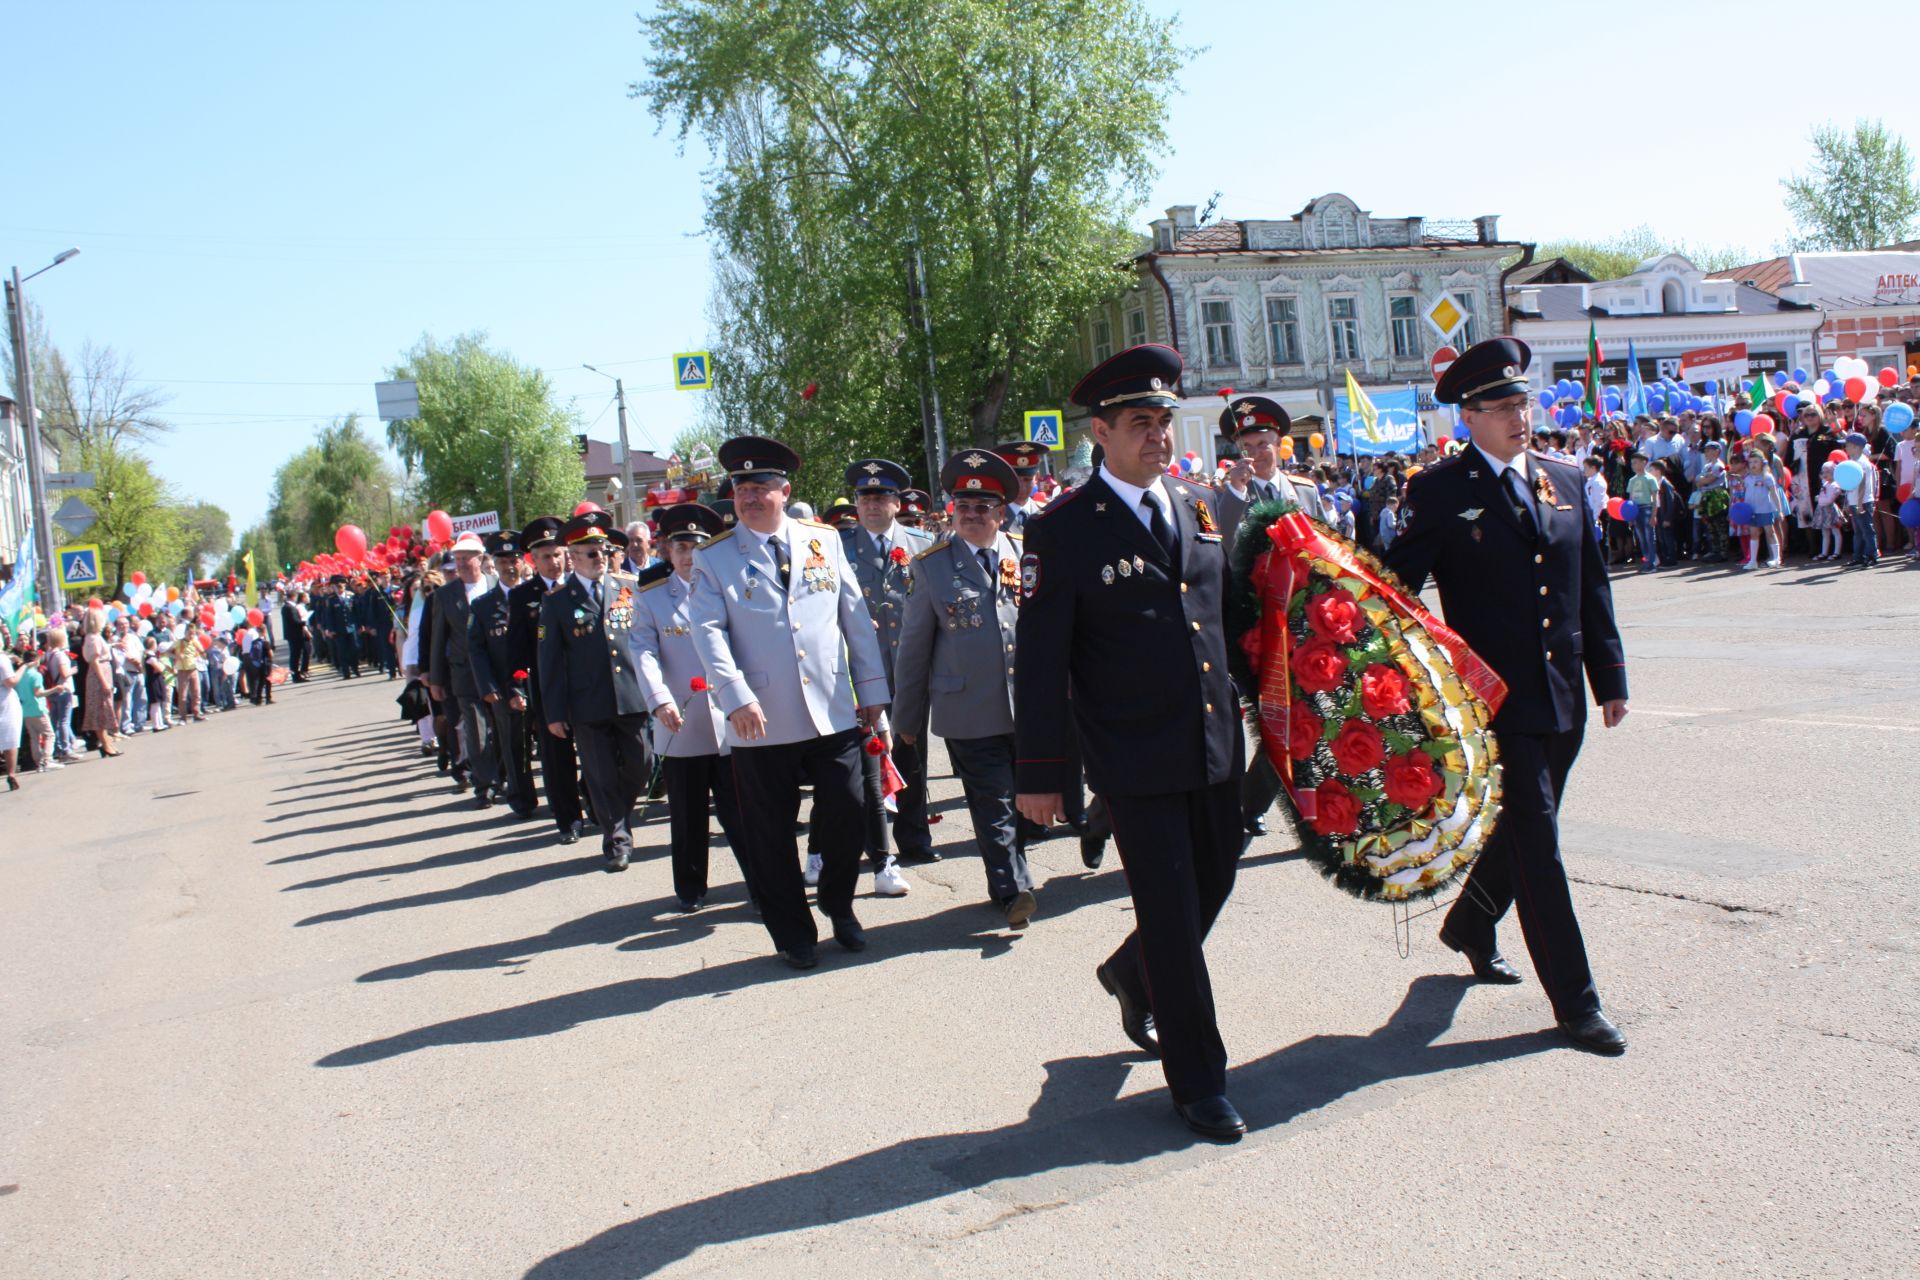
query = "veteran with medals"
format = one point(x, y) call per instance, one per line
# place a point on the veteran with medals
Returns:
point(559, 764)
point(792, 661)
point(957, 657)
point(589, 684)
point(1123, 584)
point(1506, 535)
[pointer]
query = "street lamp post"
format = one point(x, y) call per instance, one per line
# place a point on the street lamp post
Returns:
point(626, 450)
point(47, 572)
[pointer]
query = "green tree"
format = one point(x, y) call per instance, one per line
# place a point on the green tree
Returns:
point(208, 535)
point(1861, 192)
point(981, 155)
point(490, 435)
point(140, 524)
point(1617, 256)
point(341, 478)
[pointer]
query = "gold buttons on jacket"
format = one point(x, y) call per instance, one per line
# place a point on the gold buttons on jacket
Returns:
point(1183, 588)
point(1538, 558)
point(1543, 591)
point(1206, 666)
point(806, 680)
point(802, 652)
point(1209, 708)
point(1196, 626)
point(1545, 623)
point(1549, 655)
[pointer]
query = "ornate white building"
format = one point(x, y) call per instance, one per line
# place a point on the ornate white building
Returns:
point(1286, 306)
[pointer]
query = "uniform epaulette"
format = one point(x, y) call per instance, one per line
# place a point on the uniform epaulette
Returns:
point(941, 545)
point(657, 582)
point(818, 524)
point(1016, 537)
point(1063, 500)
point(622, 577)
point(716, 540)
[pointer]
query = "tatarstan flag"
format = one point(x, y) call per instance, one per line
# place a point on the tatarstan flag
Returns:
point(1594, 357)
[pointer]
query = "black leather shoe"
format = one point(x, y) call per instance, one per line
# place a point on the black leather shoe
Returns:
point(1093, 852)
point(1135, 1021)
point(1256, 825)
point(459, 782)
point(848, 933)
point(690, 905)
point(801, 957)
point(1033, 833)
point(617, 861)
point(571, 834)
point(1595, 1033)
point(916, 856)
point(481, 798)
point(1488, 966)
point(1081, 824)
point(1213, 1118)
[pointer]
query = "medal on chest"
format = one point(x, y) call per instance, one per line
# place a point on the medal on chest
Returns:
point(815, 574)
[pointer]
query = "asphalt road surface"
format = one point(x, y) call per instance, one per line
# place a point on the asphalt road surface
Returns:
point(280, 1003)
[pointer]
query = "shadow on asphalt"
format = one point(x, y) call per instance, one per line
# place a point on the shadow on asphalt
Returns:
point(1077, 1121)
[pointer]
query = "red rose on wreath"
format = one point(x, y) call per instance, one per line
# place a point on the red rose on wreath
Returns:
point(1358, 747)
point(1383, 691)
point(1303, 730)
point(1335, 616)
point(1336, 810)
point(1319, 667)
point(1411, 780)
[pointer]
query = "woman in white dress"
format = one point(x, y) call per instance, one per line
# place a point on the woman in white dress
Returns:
point(9, 717)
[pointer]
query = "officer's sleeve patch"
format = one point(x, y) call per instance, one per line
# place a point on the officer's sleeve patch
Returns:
point(543, 632)
point(1029, 575)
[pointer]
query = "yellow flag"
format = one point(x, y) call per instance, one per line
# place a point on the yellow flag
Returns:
point(1357, 402)
point(253, 597)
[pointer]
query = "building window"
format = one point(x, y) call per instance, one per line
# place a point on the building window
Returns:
point(1406, 326)
point(1102, 341)
point(1343, 328)
point(1217, 319)
point(1136, 326)
point(1283, 330)
point(1468, 333)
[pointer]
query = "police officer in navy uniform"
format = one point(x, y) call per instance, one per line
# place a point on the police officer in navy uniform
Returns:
point(490, 650)
point(957, 658)
point(559, 763)
point(883, 552)
point(1507, 537)
point(793, 662)
point(1123, 584)
point(588, 682)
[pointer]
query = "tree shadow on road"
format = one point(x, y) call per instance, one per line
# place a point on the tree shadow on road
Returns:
point(1078, 1120)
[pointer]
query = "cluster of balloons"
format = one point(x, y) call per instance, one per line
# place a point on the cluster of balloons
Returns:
point(1623, 509)
point(354, 550)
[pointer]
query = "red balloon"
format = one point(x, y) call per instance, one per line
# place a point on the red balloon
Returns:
point(1888, 377)
point(1904, 492)
point(439, 526)
point(585, 507)
point(256, 618)
point(138, 578)
point(1856, 388)
point(146, 608)
point(94, 602)
point(1837, 456)
point(351, 539)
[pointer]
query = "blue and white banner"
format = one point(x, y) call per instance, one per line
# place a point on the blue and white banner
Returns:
point(19, 593)
point(1397, 428)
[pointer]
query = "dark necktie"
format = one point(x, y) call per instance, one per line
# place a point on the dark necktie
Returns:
point(780, 562)
point(594, 591)
point(985, 555)
point(881, 542)
point(1157, 525)
point(1522, 505)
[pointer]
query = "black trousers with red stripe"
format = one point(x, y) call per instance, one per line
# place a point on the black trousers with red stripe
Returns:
point(1180, 852)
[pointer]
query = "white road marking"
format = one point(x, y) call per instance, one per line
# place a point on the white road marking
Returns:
point(1847, 724)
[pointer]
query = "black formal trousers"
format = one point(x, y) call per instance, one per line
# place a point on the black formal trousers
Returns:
point(1180, 852)
point(767, 781)
point(559, 770)
point(691, 781)
point(910, 834)
point(985, 769)
point(505, 729)
point(618, 763)
point(299, 651)
point(479, 742)
point(1521, 866)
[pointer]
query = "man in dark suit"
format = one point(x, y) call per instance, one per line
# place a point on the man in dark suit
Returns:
point(1507, 536)
point(589, 682)
point(502, 695)
point(299, 642)
point(1123, 584)
point(559, 764)
point(450, 672)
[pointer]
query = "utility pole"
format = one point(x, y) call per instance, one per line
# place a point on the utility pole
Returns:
point(511, 522)
point(934, 426)
point(47, 578)
point(626, 455)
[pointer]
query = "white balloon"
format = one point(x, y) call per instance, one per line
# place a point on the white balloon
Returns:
point(1822, 387)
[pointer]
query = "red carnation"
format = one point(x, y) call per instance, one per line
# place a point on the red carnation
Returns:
point(1336, 616)
point(699, 684)
point(1226, 393)
point(1303, 730)
point(1319, 666)
point(520, 675)
point(899, 555)
point(875, 747)
point(1358, 747)
point(1383, 691)
point(1411, 780)
point(1336, 811)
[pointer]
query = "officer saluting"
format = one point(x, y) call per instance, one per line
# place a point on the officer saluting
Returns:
point(687, 725)
point(957, 654)
point(1507, 536)
point(588, 682)
point(1123, 583)
point(559, 766)
point(789, 649)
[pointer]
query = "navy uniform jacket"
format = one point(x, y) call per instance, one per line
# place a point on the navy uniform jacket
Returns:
point(523, 633)
point(1538, 611)
point(1144, 651)
point(488, 646)
point(587, 672)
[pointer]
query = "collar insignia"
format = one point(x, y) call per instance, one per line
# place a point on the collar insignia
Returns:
point(1472, 513)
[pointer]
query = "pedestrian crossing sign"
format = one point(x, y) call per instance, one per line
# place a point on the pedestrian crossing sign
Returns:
point(80, 567)
point(1044, 427)
point(692, 371)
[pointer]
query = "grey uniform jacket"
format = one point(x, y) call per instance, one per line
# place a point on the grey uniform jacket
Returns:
point(886, 585)
point(668, 662)
point(956, 650)
point(1296, 489)
point(449, 665)
point(804, 650)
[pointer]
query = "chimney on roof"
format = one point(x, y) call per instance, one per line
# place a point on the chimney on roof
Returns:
point(1488, 224)
point(1185, 217)
point(1526, 301)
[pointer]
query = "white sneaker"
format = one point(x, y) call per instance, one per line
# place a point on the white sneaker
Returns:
point(889, 883)
point(51, 765)
point(813, 869)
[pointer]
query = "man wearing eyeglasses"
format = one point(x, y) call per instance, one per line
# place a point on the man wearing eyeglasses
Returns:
point(589, 685)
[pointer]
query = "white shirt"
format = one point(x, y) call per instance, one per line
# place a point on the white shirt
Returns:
point(477, 589)
point(1596, 496)
point(586, 584)
point(1905, 461)
point(893, 535)
point(1500, 468)
point(1132, 493)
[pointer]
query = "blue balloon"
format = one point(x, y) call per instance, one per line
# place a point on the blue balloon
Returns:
point(1629, 511)
point(1740, 513)
point(1742, 420)
point(1792, 406)
point(1656, 405)
point(1713, 386)
point(1910, 513)
point(127, 589)
point(1546, 399)
point(1800, 376)
point(1848, 474)
point(1897, 417)
point(1779, 378)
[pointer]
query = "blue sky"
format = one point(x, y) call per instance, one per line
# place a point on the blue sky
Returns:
point(275, 201)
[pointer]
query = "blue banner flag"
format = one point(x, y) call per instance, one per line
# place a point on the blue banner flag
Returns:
point(1396, 424)
point(1634, 403)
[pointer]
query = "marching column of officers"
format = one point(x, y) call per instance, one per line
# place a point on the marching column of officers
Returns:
point(770, 654)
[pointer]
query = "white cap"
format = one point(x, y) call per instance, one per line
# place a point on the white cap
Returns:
point(469, 542)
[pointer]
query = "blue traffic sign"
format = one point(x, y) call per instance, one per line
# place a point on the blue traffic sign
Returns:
point(1045, 426)
point(80, 566)
point(692, 371)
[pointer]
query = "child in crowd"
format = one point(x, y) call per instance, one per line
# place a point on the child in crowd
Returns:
point(1596, 493)
point(154, 670)
point(186, 675)
point(1861, 500)
point(1666, 516)
point(1826, 514)
point(1389, 523)
point(1710, 503)
point(1762, 493)
point(36, 724)
point(1643, 491)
